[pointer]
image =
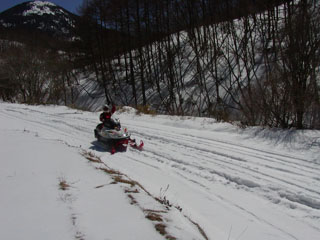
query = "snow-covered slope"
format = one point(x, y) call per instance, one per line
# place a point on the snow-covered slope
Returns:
point(234, 184)
point(39, 15)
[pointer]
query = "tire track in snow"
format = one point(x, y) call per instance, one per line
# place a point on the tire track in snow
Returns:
point(283, 192)
point(288, 160)
point(66, 132)
point(74, 130)
point(184, 169)
point(228, 144)
point(211, 145)
point(212, 161)
point(266, 192)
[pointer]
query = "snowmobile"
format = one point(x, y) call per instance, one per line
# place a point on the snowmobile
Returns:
point(116, 138)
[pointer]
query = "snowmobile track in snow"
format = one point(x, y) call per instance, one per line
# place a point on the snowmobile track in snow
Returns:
point(222, 169)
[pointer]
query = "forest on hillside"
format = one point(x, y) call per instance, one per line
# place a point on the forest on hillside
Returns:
point(257, 62)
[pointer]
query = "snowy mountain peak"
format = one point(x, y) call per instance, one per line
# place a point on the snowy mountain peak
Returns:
point(40, 16)
point(39, 8)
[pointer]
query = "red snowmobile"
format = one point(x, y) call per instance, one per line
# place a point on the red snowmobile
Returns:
point(116, 138)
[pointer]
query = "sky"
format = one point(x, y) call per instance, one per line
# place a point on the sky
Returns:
point(70, 5)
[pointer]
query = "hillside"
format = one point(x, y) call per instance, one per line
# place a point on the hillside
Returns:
point(258, 69)
point(248, 69)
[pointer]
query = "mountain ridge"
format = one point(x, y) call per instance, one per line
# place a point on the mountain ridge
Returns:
point(40, 16)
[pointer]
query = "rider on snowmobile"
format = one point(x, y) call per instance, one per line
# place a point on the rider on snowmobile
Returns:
point(105, 117)
point(118, 138)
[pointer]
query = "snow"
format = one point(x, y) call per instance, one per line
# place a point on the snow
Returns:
point(39, 8)
point(232, 183)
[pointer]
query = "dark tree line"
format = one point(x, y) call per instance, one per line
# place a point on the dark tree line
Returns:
point(253, 61)
point(34, 69)
point(191, 57)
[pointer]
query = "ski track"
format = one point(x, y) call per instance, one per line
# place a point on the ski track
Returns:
point(174, 138)
point(242, 160)
point(230, 159)
point(277, 177)
point(185, 144)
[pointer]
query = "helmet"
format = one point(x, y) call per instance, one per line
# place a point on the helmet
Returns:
point(106, 108)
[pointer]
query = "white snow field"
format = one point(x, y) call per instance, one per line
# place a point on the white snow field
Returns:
point(195, 179)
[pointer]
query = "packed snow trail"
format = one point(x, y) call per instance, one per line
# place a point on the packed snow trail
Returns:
point(236, 184)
